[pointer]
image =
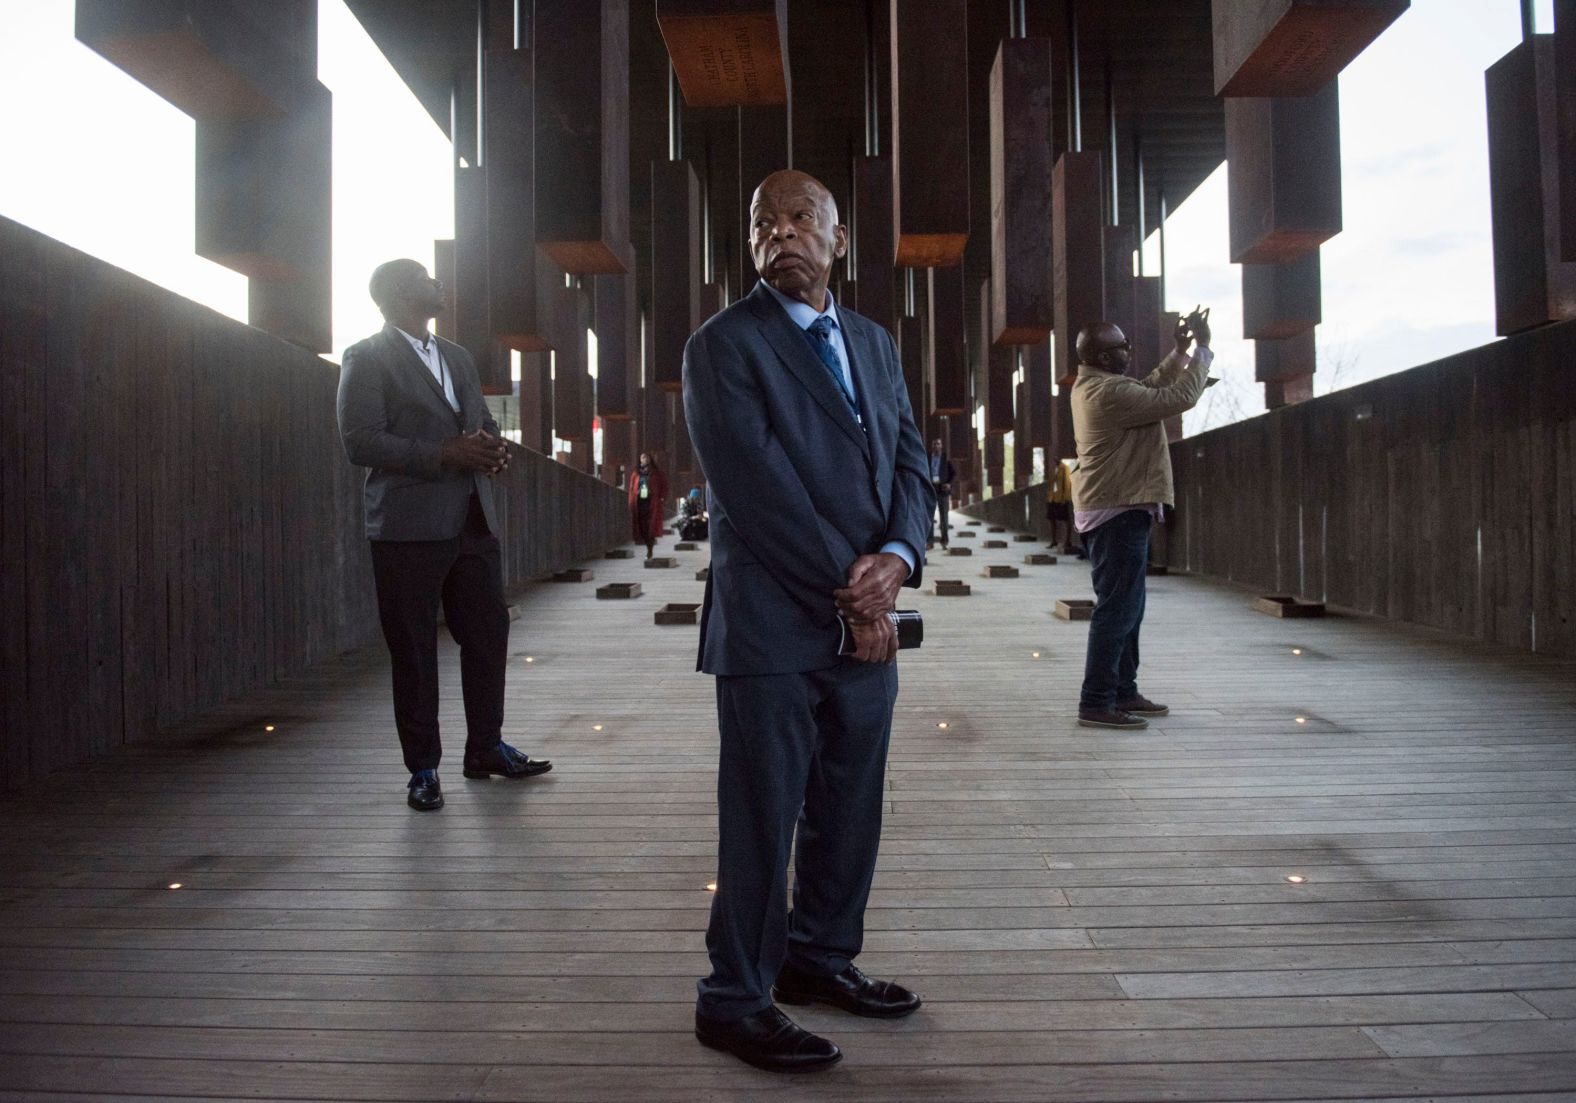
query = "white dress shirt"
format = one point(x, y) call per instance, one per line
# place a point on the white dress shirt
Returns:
point(426, 347)
point(804, 315)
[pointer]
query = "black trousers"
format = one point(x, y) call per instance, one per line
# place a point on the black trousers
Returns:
point(803, 760)
point(465, 574)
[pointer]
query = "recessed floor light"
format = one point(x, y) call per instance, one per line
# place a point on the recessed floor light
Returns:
point(943, 725)
point(1296, 651)
point(712, 887)
point(268, 727)
point(596, 727)
point(1034, 654)
point(175, 884)
point(530, 658)
point(1302, 719)
point(1296, 879)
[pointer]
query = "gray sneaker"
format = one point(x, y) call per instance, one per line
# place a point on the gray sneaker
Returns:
point(1110, 718)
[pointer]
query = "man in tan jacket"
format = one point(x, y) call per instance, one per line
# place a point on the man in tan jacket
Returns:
point(1122, 480)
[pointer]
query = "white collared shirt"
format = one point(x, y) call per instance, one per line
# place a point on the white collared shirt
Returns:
point(433, 357)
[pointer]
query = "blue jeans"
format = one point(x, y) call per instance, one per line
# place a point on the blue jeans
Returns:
point(1119, 556)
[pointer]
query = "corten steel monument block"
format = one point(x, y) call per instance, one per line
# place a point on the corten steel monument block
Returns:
point(1150, 345)
point(536, 402)
point(930, 132)
point(1565, 112)
point(262, 209)
point(765, 145)
point(572, 393)
point(212, 59)
point(995, 460)
point(513, 314)
point(946, 350)
point(1532, 285)
point(1285, 367)
point(1292, 47)
point(1119, 307)
point(1038, 396)
point(1281, 300)
point(617, 346)
point(993, 371)
point(1078, 254)
point(1283, 176)
point(675, 268)
point(874, 245)
point(727, 53)
point(911, 351)
point(1021, 157)
point(582, 134)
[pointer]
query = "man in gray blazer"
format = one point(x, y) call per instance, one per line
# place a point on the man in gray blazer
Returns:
point(820, 500)
point(411, 410)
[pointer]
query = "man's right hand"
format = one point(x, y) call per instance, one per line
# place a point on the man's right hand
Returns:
point(478, 451)
point(875, 641)
point(1182, 336)
point(1198, 324)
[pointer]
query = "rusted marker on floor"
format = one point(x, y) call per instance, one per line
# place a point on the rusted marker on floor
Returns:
point(1074, 608)
point(687, 545)
point(703, 574)
point(574, 574)
point(678, 612)
point(660, 562)
point(960, 551)
point(1284, 605)
point(618, 590)
point(1024, 538)
point(994, 544)
point(1000, 570)
point(1040, 559)
point(951, 587)
point(619, 553)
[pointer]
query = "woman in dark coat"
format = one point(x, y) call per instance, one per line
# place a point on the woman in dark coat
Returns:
point(648, 490)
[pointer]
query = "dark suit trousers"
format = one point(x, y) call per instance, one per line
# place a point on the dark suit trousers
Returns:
point(465, 574)
point(806, 751)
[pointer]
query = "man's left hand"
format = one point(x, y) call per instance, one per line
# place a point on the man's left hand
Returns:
point(873, 583)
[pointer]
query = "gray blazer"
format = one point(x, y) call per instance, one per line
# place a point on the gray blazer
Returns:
point(393, 419)
point(798, 490)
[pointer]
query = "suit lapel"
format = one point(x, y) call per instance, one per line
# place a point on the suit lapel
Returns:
point(789, 342)
point(406, 355)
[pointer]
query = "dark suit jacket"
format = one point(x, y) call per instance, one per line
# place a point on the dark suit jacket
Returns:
point(947, 474)
point(797, 489)
point(394, 419)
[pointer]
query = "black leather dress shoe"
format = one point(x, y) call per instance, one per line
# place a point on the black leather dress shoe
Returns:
point(505, 761)
point(769, 1040)
point(425, 795)
point(850, 990)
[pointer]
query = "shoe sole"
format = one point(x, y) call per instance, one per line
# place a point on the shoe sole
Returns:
point(1082, 723)
point(762, 1063)
point(798, 1000)
point(1148, 714)
point(482, 775)
point(424, 807)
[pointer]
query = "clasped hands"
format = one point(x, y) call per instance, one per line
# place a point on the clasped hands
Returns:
point(871, 593)
point(1195, 326)
point(477, 451)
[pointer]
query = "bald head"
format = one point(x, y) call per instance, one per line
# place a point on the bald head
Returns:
point(795, 236)
point(1104, 345)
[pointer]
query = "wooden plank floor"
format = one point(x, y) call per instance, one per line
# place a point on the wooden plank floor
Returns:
point(1089, 916)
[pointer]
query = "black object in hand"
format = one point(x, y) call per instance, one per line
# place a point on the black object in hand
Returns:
point(910, 626)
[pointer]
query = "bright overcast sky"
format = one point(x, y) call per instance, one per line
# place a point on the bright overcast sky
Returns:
point(100, 162)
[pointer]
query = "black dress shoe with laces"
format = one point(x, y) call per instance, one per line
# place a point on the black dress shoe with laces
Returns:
point(850, 990)
point(425, 795)
point(769, 1040)
point(505, 761)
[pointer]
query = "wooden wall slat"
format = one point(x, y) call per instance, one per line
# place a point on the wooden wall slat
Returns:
point(1375, 498)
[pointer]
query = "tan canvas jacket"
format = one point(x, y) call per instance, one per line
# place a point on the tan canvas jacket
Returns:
point(1118, 422)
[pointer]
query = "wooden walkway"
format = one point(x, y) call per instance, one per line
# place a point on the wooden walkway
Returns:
point(1089, 916)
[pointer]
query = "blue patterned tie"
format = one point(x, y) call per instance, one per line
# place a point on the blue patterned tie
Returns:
point(820, 336)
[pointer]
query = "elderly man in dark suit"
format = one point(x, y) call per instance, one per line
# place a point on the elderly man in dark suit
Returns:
point(411, 410)
point(820, 499)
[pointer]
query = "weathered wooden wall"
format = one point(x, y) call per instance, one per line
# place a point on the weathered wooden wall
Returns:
point(178, 523)
point(1444, 495)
